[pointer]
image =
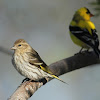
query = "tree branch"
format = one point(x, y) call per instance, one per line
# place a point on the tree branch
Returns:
point(27, 89)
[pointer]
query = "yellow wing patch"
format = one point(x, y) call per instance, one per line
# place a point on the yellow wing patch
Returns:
point(48, 71)
point(45, 69)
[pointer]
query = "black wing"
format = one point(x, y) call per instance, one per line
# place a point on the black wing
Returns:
point(85, 36)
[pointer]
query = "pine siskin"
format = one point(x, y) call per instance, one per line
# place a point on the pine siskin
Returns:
point(28, 63)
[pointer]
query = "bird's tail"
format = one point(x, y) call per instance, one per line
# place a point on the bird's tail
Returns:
point(97, 51)
point(54, 76)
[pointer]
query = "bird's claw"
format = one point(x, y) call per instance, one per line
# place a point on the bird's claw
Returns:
point(26, 79)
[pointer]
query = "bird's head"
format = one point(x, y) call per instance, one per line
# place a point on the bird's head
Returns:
point(84, 13)
point(21, 45)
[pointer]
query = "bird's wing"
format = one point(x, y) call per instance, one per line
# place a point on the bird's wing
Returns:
point(34, 59)
point(85, 36)
point(38, 62)
point(95, 37)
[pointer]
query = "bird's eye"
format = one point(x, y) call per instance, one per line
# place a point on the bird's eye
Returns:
point(88, 12)
point(19, 45)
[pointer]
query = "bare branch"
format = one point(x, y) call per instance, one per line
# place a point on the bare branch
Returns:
point(27, 89)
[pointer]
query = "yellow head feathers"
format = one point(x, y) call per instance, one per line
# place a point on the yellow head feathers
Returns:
point(82, 14)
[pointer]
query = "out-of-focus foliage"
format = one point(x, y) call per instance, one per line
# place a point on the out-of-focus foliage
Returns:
point(96, 4)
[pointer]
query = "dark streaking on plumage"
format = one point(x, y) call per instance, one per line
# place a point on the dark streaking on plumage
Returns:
point(28, 62)
point(37, 61)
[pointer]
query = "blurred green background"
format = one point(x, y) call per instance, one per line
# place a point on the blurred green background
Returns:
point(44, 25)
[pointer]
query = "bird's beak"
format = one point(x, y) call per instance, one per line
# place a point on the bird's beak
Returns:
point(91, 15)
point(13, 48)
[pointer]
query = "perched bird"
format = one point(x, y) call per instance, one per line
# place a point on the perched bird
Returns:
point(83, 32)
point(28, 63)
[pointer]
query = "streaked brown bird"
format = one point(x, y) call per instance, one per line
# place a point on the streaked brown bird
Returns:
point(28, 62)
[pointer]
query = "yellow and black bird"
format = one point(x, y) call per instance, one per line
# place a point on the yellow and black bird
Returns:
point(83, 31)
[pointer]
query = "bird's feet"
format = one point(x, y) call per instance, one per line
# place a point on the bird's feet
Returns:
point(43, 80)
point(86, 51)
point(26, 79)
point(82, 52)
